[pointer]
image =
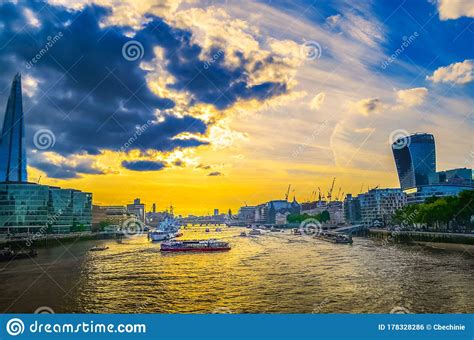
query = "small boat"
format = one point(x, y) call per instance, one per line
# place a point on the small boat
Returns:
point(334, 237)
point(159, 235)
point(218, 229)
point(297, 232)
point(274, 230)
point(195, 246)
point(243, 234)
point(255, 232)
point(8, 254)
point(207, 230)
point(97, 248)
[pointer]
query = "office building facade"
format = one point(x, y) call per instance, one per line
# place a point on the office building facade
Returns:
point(415, 159)
point(378, 205)
point(29, 207)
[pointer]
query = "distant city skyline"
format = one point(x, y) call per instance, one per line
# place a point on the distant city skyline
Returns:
point(218, 108)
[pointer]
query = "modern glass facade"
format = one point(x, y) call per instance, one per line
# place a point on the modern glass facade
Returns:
point(29, 207)
point(415, 158)
point(421, 193)
point(12, 139)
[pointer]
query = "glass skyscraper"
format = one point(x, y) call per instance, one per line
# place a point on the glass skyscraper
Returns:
point(12, 140)
point(415, 158)
point(29, 207)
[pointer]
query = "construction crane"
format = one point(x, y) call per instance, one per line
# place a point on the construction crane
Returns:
point(287, 192)
point(338, 193)
point(330, 190)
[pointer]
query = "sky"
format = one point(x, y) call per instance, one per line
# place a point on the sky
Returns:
point(219, 104)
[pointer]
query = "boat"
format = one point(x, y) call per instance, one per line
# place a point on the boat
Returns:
point(168, 229)
point(274, 230)
point(97, 248)
point(255, 232)
point(297, 231)
point(195, 245)
point(334, 237)
point(207, 230)
point(8, 254)
point(218, 229)
point(159, 235)
point(243, 234)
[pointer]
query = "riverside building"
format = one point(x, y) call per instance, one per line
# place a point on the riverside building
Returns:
point(27, 207)
point(415, 159)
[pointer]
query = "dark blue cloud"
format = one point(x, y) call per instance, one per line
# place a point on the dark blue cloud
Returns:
point(215, 173)
point(211, 81)
point(94, 99)
point(63, 170)
point(143, 165)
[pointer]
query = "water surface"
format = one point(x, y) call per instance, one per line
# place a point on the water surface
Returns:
point(272, 273)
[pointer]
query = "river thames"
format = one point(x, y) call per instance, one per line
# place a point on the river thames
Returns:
point(271, 273)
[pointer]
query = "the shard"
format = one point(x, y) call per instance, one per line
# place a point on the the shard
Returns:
point(12, 140)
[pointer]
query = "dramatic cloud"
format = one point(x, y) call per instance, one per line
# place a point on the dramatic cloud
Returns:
point(143, 165)
point(412, 97)
point(454, 9)
point(368, 106)
point(215, 173)
point(80, 83)
point(63, 168)
point(457, 73)
point(317, 101)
